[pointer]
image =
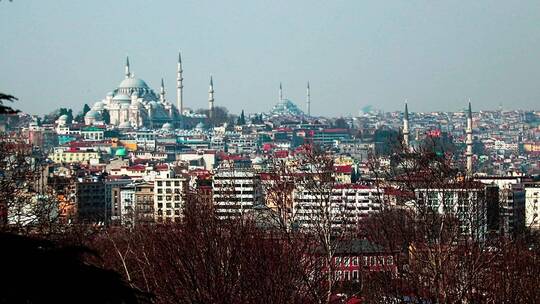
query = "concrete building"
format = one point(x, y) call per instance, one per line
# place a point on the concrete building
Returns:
point(169, 199)
point(90, 200)
point(127, 206)
point(112, 197)
point(344, 207)
point(466, 202)
point(73, 155)
point(532, 206)
point(235, 192)
point(511, 202)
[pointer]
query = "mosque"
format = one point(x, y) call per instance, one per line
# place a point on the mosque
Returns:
point(133, 104)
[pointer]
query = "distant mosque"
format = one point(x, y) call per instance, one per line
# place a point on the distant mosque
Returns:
point(133, 104)
point(287, 108)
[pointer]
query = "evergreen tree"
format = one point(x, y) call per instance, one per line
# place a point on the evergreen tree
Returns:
point(69, 116)
point(242, 119)
point(86, 109)
point(106, 116)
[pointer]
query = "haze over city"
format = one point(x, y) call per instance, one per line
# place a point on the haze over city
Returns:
point(284, 152)
point(354, 53)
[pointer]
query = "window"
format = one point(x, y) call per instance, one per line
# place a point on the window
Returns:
point(177, 183)
point(346, 261)
point(355, 261)
point(160, 183)
point(337, 260)
point(346, 275)
point(365, 260)
point(159, 190)
point(390, 260)
point(355, 275)
point(168, 205)
point(168, 183)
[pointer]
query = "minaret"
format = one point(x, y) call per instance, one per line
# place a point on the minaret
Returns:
point(280, 93)
point(406, 127)
point(162, 91)
point(211, 99)
point(469, 141)
point(179, 86)
point(128, 74)
point(308, 100)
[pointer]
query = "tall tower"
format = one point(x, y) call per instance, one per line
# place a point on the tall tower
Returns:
point(406, 127)
point(211, 99)
point(469, 141)
point(280, 93)
point(128, 74)
point(162, 91)
point(179, 86)
point(308, 100)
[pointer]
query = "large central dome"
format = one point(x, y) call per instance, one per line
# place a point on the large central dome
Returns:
point(133, 83)
point(286, 108)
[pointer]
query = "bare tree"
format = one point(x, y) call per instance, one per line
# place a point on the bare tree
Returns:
point(26, 202)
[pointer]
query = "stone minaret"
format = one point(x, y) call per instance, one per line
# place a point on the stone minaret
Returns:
point(308, 100)
point(469, 142)
point(162, 91)
point(406, 131)
point(128, 74)
point(211, 99)
point(179, 86)
point(280, 93)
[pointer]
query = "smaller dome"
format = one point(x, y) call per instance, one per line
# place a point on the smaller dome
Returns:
point(168, 126)
point(92, 114)
point(153, 104)
point(199, 126)
point(133, 83)
point(122, 98)
point(121, 152)
point(111, 94)
point(125, 125)
point(63, 117)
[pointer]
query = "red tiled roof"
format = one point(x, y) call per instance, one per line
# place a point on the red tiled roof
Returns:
point(343, 169)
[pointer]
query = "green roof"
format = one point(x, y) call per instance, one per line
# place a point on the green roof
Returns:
point(121, 152)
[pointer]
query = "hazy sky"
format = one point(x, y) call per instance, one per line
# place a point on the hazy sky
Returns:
point(354, 53)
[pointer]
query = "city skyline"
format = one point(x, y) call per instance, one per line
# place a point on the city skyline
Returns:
point(353, 54)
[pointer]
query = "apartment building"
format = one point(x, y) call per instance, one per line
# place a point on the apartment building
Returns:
point(236, 191)
point(169, 199)
point(343, 206)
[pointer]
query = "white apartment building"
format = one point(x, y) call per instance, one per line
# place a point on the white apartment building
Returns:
point(236, 191)
point(532, 206)
point(169, 199)
point(467, 204)
point(344, 207)
point(127, 205)
point(242, 144)
point(198, 159)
